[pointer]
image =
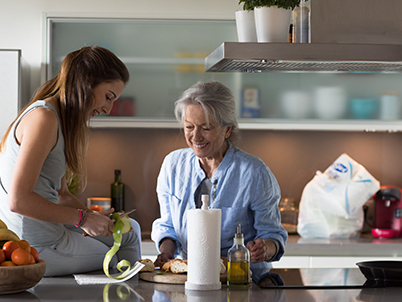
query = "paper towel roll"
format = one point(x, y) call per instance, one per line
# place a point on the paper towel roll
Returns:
point(203, 245)
point(202, 296)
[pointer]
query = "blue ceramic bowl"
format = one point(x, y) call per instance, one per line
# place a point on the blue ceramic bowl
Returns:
point(363, 108)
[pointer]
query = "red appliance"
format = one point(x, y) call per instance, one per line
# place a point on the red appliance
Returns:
point(388, 212)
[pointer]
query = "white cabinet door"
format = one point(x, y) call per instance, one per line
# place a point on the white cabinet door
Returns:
point(292, 262)
point(325, 262)
point(344, 262)
point(9, 87)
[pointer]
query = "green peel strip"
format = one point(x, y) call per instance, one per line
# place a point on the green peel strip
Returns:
point(117, 235)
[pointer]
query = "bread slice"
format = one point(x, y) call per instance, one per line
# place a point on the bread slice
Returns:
point(175, 266)
point(178, 266)
point(149, 265)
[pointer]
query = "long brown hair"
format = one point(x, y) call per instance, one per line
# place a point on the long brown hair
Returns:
point(81, 71)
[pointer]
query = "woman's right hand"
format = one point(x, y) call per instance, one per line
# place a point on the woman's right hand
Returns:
point(98, 224)
point(167, 248)
point(162, 258)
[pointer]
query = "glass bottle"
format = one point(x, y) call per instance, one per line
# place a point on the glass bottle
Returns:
point(238, 273)
point(289, 210)
point(117, 192)
point(301, 24)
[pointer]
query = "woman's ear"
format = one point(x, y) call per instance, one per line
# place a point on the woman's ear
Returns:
point(228, 132)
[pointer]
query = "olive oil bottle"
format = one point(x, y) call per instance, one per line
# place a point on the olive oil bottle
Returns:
point(117, 192)
point(238, 273)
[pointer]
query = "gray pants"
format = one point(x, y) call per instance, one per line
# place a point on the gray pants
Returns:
point(76, 253)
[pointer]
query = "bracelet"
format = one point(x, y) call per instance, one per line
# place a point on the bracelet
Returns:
point(79, 222)
point(83, 218)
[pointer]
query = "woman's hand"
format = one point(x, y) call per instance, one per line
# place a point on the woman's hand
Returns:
point(167, 248)
point(98, 223)
point(261, 250)
point(162, 258)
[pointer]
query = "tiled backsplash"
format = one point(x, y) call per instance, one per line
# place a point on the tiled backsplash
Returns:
point(293, 156)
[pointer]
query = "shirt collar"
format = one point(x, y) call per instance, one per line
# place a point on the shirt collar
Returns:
point(223, 166)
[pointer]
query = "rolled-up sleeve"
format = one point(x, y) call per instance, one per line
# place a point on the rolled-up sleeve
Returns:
point(267, 220)
point(163, 227)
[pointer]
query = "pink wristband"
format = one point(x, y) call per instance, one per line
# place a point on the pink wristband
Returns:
point(79, 222)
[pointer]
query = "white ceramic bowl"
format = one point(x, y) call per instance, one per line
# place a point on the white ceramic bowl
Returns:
point(295, 104)
point(330, 103)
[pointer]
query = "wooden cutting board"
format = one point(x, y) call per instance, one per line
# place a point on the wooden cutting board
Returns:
point(168, 277)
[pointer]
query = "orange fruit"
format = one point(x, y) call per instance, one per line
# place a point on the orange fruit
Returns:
point(97, 208)
point(35, 254)
point(32, 259)
point(21, 257)
point(2, 256)
point(8, 263)
point(25, 245)
point(9, 247)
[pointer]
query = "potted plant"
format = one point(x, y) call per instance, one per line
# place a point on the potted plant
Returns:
point(245, 26)
point(272, 18)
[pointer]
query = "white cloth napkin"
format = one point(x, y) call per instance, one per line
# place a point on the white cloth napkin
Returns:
point(83, 279)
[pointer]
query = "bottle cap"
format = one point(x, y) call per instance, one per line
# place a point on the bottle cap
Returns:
point(239, 233)
point(205, 200)
point(117, 172)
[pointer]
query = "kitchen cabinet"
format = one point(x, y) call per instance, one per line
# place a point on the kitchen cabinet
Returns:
point(165, 57)
point(337, 253)
point(325, 262)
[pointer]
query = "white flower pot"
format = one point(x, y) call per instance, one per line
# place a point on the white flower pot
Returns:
point(272, 24)
point(245, 26)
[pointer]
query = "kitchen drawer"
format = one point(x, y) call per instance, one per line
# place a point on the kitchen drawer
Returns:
point(292, 262)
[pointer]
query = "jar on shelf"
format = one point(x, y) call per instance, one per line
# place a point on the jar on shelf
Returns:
point(289, 210)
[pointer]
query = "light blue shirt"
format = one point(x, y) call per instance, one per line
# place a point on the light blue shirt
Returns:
point(244, 188)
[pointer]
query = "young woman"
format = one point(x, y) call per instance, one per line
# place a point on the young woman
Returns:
point(49, 136)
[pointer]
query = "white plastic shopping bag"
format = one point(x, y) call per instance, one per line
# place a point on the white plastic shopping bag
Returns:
point(331, 205)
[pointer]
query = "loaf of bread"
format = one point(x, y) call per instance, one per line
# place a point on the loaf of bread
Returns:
point(177, 266)
point(223, 265)
point(149, 265)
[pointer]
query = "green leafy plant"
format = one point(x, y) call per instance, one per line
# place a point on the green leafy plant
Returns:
point(286, 4)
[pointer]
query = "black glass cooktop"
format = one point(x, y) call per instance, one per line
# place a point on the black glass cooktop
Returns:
point(320, 278)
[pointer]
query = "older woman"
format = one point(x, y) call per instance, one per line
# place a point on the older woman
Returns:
point(238, 183)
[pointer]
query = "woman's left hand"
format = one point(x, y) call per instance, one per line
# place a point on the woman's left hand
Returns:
point(261, 250)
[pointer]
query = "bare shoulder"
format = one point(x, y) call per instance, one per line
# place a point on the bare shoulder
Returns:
point(40, 122)
point(40, 117)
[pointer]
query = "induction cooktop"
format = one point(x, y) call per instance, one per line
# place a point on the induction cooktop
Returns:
point(317, 278)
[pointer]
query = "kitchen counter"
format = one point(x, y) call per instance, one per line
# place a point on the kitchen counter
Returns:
point(365, 245)
point(66, 289)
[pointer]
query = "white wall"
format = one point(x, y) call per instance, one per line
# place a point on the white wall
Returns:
point(21, 21)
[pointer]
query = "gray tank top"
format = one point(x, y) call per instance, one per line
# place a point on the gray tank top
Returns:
point(37, 233)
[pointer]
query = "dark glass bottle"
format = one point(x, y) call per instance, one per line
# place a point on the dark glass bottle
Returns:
point(117, 192)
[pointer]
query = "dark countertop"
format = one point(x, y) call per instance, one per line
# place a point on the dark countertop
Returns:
point(66, 289)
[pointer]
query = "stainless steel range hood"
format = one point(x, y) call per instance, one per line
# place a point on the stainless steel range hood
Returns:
point(305, 57)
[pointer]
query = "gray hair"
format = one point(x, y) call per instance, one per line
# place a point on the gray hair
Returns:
point(217, 102)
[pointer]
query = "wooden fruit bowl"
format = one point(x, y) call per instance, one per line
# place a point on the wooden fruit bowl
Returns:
point(15, 279)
